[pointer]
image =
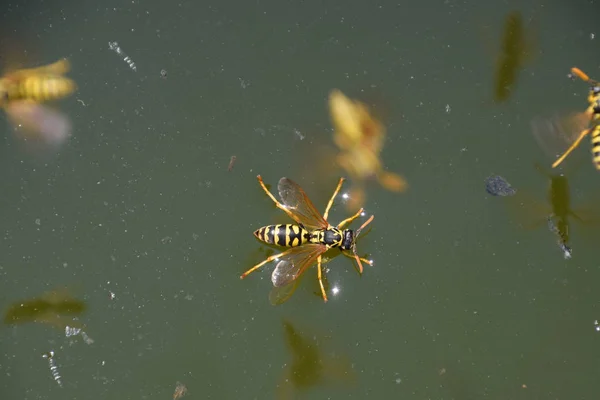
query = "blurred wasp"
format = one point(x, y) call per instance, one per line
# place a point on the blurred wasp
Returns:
point(309, 239)
point(576, 127)
point(23, 92)
point(360, 138)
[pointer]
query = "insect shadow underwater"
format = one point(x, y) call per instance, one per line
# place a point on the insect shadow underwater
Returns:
point(310, 366)
point(308, 239)
point(557, 212)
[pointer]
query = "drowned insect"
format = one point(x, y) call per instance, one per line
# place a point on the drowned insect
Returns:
point(582, 124)
point(23, 93)
point(307, 240)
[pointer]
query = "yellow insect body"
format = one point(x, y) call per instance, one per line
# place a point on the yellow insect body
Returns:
point(23, 96)
point(592, 115)
point(40, 85)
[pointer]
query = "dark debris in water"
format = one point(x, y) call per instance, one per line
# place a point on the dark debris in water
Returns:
point(498, 186)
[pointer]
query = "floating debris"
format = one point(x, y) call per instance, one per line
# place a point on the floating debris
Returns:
point(71, 331)
point(498, 186)
point(163, 73)
point(231, 162)
point(180, 391)
point(114, 46)
point(53, 368)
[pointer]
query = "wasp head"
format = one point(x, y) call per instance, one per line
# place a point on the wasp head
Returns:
point(347, 239)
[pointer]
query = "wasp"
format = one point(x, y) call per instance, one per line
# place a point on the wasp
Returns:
point(586, 123)
point(360, 138)
point(23, 92)
point(308, 239)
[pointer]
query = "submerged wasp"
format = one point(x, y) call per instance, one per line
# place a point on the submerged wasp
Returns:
point(23, 92)
point(575, 128)
point(360, 139)
point(308, 239)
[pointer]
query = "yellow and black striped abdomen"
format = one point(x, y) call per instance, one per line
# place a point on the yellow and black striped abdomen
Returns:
point(40, 88)
point(285, 235)
point(596, 145)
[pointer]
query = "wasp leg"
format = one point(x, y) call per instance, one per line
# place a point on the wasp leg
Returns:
point(370, 262)
point(278, 204)
point(348, 220)
point(337, 189)
point(573, 146)
point(320, 276)
point(268, 260)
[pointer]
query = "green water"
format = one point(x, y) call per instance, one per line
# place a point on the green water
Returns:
point(462, 303)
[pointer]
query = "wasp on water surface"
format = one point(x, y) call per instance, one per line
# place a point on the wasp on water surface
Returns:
point(23, 92)
point(575, 128)
point(308, 239)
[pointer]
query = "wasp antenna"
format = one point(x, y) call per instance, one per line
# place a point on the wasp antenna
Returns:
point(580, 74)
point(365, 224)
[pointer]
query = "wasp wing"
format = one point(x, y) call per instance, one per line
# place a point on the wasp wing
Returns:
point(293, 264)
point(34, 122)
point(281, 294)
point(294, 198)
point(556, 134)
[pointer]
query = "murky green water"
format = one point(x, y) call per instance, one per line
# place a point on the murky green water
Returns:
point(462, 303)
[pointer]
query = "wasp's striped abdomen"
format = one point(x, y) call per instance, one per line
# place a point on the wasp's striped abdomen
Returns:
point(40, 88)
point(284, 235)
point(596, 145)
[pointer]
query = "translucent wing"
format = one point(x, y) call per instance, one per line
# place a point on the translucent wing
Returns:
point(281, 294)
point(299, 204)
point(291, 266)
point(36, 122)
point(556, 134)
